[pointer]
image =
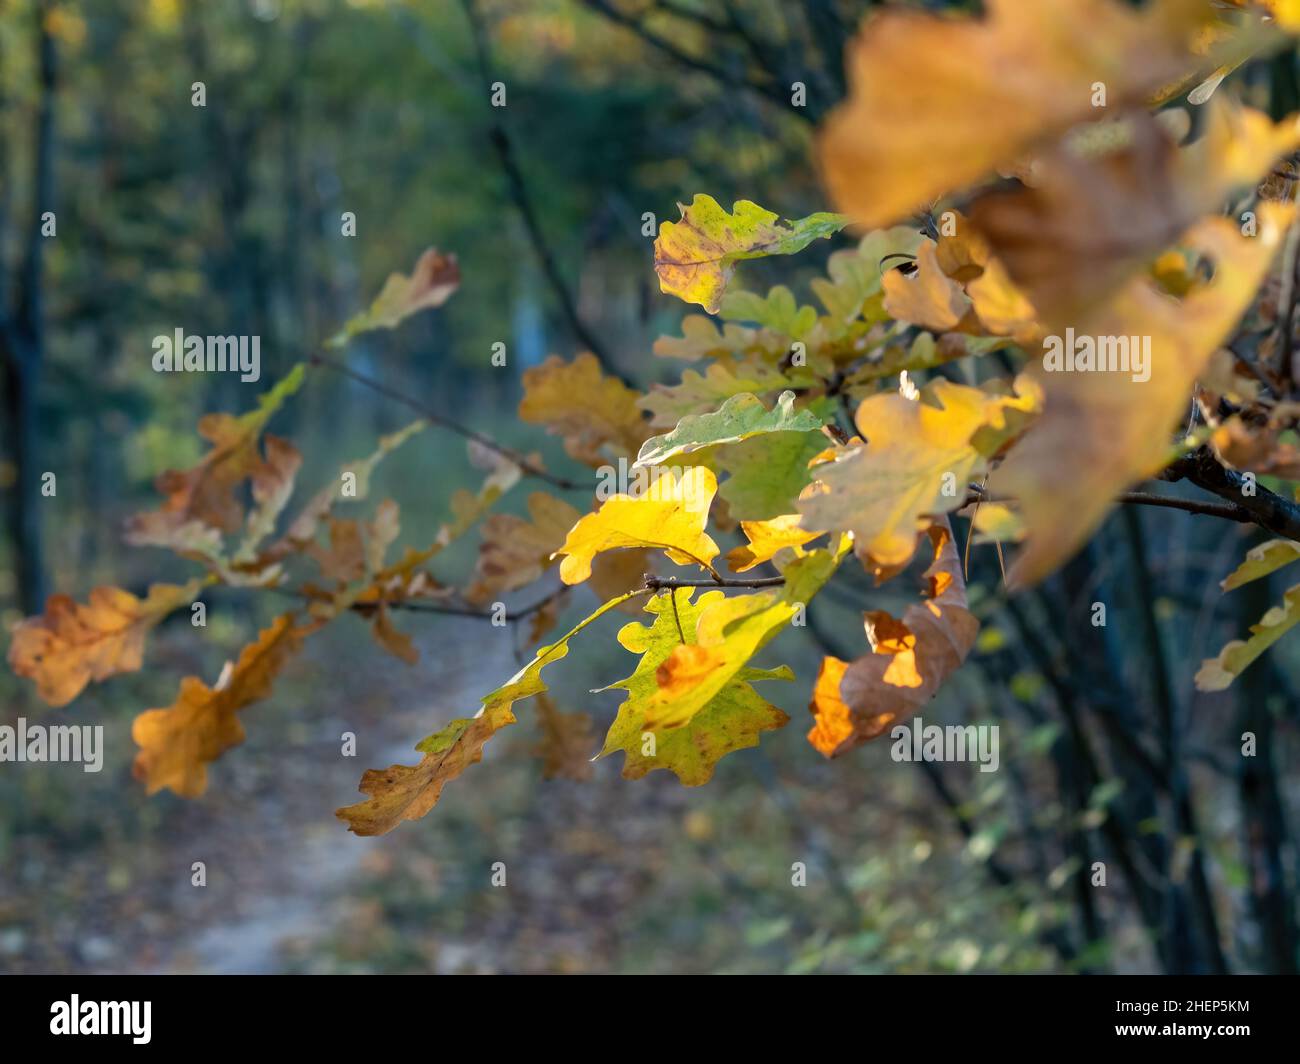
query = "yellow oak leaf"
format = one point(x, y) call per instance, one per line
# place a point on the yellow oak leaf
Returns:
point(928, 298)
point(732, 718)
point(767, 538)
point(699, 393)
point(1261, 561)
point(1001, 307)
point(728, 634)
point(597, 416)
point(919, 458)
point(670, 515)
point(938, 102)
point(71, 645)
point(1217, 674)
point(1102, 431)
point(177, 743)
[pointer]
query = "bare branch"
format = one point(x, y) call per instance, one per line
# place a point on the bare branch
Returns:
point(660, 583)
point(523, 202)
point(528, 467)
point(1271, 512)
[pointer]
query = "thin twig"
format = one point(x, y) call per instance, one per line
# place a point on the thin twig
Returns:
point(527, 466)
point(523, 202)
point(769, 89)
point(450, 609)
point(661, 583)
point(1229, 511)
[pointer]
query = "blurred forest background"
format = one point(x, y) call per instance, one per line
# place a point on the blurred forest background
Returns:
point(226, 219)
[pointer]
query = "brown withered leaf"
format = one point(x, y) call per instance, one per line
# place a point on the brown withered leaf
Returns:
point(910, 659)
point(1256, 448)
point(396, 643)
point(206, 491)
point(408, 792)
point(177, 742)
point(1090, 223)
point(71, 645)
point(938, 102)
point(302, 530)
point(344, 559)
point(1112, 429)
point(272, 485)
point(546, 617)
point(516, 551)
point(615, 573)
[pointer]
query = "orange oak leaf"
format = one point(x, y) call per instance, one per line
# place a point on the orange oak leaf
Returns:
point(910, 659)
point(1113, 429)
point(71, 645)
point(1090, 223)
point(206, 492)
point(597, 416)
point(930, 298)
point(177, 742)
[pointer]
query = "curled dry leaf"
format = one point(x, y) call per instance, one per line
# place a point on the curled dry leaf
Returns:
point(856, 702)
point(1090, 223)
point(206, 492)
point(408, 792)
point(1261, 561)
point(1115, 430)
point(1217, 674)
